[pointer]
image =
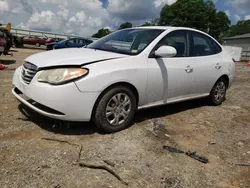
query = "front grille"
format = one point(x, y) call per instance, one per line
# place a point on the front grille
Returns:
point(28, 72)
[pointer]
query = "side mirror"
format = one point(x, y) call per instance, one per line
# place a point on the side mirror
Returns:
point(166, 51)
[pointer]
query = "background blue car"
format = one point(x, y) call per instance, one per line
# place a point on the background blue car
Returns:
point(69, 43)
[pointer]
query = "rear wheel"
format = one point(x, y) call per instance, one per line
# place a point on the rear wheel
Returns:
point(37, 45)
point(115, 109)
point(218, 93)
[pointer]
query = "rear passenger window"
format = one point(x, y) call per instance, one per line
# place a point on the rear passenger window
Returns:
point(202, 45)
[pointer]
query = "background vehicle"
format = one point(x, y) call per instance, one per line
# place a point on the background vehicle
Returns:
point(50, 46)
point(18, 41)
point(33, 40)
point(72, 43)
point(50, 43)
point(2, 42)
point(127, 70)
point(8, 37)
point(50, 40)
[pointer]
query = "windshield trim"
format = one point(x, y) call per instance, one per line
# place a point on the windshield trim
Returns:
point(118, 52)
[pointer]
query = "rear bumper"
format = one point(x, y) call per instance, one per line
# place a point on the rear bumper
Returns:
point(64, 102)
point(231, 78)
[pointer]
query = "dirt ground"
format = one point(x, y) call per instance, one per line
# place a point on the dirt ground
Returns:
point(222, 134)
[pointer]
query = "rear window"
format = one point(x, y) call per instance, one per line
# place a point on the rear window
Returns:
point(216, 47)
point(202, 45)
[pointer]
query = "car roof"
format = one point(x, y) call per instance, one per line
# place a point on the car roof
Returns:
point(173, 28)
point(167, 28)
point(154, 27)
point(78, 38)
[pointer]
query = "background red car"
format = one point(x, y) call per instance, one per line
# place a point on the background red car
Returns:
point(34, 40)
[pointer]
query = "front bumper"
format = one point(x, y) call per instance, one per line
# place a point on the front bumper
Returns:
point(64, 102)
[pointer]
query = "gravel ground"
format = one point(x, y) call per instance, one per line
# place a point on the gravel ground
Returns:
point(222, 134)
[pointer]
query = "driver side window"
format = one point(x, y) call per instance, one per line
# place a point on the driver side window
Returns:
point(176, 39)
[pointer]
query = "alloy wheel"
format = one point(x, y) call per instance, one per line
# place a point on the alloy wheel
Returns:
point(118, 109)
point(220, 91)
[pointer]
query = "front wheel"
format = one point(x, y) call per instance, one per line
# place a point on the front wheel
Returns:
point(115, 109)
point(37, 45)
point(218, 93)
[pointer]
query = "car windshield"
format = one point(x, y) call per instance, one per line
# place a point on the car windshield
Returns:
point(128, 41)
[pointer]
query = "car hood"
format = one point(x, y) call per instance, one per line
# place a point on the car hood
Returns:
point(72, 56)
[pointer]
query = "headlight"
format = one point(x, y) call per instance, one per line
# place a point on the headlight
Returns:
point(61, 75)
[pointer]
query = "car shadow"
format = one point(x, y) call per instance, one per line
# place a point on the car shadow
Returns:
point(166, 110)
point(57, 126)
point(82, 128)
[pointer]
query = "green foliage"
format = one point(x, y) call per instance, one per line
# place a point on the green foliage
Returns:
point(125, 25)
point(101, 33)
point(242, 27)
point(152, 23)
point(198, 14)
point(147, 24)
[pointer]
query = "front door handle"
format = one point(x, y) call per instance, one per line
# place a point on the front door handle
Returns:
point(217, 66)
point(189, 69)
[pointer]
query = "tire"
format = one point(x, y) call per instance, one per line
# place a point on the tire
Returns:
point(37, 45)
point(218, 92)
point(106, 109)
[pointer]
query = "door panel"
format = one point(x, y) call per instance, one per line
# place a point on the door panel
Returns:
point(205, 61)
point(205, 72)
point(169, 78)
point(157, 81)
point(190, 74)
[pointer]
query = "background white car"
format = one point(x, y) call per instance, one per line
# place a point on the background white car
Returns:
point(125, 71)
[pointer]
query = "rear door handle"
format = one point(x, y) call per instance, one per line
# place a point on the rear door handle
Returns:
point(217, 66)
point(189, 69)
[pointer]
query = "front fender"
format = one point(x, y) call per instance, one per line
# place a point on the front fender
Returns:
point(104, 74)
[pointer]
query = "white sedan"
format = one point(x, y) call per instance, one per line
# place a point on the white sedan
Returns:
point(127, 70)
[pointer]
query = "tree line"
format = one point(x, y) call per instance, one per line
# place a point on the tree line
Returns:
point(198, 14)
